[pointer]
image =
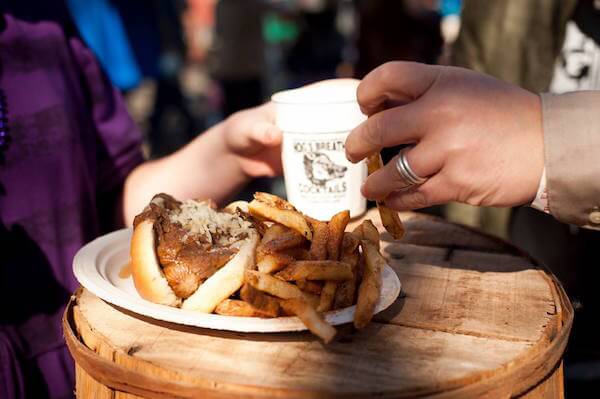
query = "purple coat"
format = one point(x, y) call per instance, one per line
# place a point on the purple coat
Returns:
point(73, 145)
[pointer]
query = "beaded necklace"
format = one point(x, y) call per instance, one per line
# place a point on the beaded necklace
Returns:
point(4, 131)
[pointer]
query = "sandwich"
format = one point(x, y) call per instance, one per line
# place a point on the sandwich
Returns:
point(189, 254)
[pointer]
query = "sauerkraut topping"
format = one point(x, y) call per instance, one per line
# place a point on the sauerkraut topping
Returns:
point(218, 228)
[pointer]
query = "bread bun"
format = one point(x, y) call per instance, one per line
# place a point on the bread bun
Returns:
point(148, 276)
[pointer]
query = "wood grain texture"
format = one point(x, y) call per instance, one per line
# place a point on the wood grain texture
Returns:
point(472, 322)
point(551, 387)
point(511, 306)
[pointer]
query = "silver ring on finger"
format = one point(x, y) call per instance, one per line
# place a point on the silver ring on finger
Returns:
point(406, 171)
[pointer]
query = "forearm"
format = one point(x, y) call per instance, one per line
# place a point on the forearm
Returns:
point(202, 169)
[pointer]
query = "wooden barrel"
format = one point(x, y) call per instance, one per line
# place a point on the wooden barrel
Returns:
point(476, 318)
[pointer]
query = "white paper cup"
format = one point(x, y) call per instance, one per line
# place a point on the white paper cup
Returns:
point(315, 121)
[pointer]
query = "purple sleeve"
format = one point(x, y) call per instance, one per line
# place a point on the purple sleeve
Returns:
point(11, 378)
point(119, 140)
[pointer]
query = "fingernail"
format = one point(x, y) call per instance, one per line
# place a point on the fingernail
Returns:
point(350, 157)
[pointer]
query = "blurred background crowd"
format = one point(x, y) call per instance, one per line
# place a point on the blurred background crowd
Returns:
point(184, 65)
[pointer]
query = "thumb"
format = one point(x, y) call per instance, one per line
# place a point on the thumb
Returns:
point(245, 133)
point(266, 133)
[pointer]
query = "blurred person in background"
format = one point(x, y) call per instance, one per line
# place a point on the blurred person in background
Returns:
point(198, 22)
point(101, 26)
point(71, 168)
point(392, 30)
point(140, 41)
point(450, 26)
point(155, 31)
point(237, 57)
point(317, 52)
point(543, 45)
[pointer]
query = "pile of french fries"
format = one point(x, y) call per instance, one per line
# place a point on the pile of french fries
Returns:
point(306, 267)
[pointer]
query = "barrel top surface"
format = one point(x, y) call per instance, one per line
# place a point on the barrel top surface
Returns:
point(475, 316)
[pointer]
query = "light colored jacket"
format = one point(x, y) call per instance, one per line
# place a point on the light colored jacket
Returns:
point(571, 124)
point(518, 41)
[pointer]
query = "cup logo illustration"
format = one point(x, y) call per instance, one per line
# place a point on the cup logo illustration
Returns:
point(320, 169)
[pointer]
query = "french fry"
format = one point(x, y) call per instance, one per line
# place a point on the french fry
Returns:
point(235, 307)
point(370, 286)
point(346, 293)
point(337, 226)
point(360, 269)
point(287, 239)
point(327, 296)
point(270, 263)
point(311, 319)
point(312, 287)
point(389, 218)
point(272, 232)
point(318, 246)
point(358, 232)
point(391, 221)
point(273, 200)
point(316, 270)
point(312, 221)
point(292, 219)
point(267, 262)
point(263, 303)
point(370, 233)
point(276, 287)
point(297, 253)
point(349, 244)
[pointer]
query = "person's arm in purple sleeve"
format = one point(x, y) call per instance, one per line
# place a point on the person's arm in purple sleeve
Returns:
point(12, 384)
point(214, 165)
point(118, 141)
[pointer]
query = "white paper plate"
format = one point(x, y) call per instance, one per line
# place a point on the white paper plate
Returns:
point(98, 264)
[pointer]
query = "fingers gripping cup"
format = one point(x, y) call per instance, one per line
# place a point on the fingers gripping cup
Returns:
point(315, 121)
